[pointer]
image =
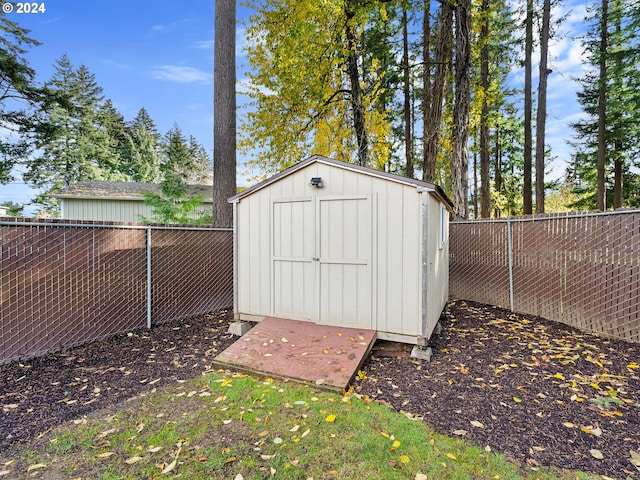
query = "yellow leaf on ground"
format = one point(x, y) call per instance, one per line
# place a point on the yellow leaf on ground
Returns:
point(452, 456)
point(396, 444)
point(384, 434)
point(330, 418)
point(405, 458)
point(133, 460)
point(517, 400)
point(106, 454)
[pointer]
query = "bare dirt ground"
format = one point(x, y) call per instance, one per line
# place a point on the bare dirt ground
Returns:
point(538, 391)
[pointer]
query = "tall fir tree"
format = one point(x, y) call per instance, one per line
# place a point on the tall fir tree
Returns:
point(606, 146)
point(80, 146)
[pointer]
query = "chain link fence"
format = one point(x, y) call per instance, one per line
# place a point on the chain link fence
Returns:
point(579, 269)
point(66, 283)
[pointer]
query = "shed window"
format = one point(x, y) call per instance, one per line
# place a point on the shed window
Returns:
point(444, 216)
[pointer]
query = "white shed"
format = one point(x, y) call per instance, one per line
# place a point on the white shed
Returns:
point(338, 244)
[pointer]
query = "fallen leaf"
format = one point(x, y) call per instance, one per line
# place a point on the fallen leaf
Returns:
point(239, 477)
point(635, 458)
point(305, 433)
point(568, 424)
point(452, 456)
point(153, 449)
point(330, 418)
point(295, 428)
point(420, 476)
point(592, 430)
point(461, 433)
point(405, 458)
point(37, 466)
point(266, 457)
point(277, 440)
point(132, 460)
point(596, 454)
point(395, 444)
point(477, 424)
point(106, 454)
point(169, 468)
point(517, 400)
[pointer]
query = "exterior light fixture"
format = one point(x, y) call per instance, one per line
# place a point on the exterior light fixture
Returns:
point(316, 182)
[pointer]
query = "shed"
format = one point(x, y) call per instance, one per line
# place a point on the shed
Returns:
point(338, 244)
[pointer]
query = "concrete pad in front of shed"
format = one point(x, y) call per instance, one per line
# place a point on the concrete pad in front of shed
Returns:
point(327, 356)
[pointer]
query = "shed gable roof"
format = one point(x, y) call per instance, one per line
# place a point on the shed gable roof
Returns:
point(106, 190)
point(435, 189)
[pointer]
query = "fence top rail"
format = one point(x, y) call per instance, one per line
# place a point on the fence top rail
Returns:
point(115, 225)
point(551, 216)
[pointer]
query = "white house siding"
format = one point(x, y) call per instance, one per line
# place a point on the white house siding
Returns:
point(395, 250)
point(104, 210)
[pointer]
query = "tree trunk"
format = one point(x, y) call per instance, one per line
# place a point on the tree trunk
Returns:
point(408, 141)
point(462, 102)
point(426, 85)
point(541, 116)
point(475, 177)
point(444, 51)
point(498, 169)
point(485, 180)
point(527, 200)
point(356, 90)
point(224, 112)
point(602, 108)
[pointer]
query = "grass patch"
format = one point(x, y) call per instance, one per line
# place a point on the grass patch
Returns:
point(226, 425)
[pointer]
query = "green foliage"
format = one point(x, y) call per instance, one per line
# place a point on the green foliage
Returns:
point(20, 97)
point(14, 209)
point(174, 204)
point(80, 145)
point(622, 113)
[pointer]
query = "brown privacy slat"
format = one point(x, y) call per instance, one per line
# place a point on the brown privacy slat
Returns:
point(66, 283)
point(582, 270)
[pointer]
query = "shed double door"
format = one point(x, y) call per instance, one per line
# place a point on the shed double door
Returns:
point(321, 259)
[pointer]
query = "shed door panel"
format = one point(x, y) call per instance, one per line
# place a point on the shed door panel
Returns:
point(345, 261)
point(294, 287)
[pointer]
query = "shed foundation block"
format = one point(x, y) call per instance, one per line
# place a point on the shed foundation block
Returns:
point(239, 328)
point(421, 353)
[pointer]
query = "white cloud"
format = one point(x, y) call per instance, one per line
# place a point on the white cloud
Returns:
point(181, 74)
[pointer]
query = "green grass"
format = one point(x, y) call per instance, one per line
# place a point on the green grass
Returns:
point(224, 425)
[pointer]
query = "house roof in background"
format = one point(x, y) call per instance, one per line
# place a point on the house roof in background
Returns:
point(104, 190)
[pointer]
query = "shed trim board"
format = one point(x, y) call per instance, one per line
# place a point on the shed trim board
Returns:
point(362, 250)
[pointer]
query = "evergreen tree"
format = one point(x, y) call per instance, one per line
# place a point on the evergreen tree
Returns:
point(142, 159)
point(606, 146)
point(20, 98)
point(80, 146)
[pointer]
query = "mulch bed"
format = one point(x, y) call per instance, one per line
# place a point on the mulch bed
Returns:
point(541, 392)
point(538, 391)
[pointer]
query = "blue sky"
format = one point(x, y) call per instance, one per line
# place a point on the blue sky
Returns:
point(159, 55)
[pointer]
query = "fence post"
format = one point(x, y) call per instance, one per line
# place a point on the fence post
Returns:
point(510, 248)
point(149, 285)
